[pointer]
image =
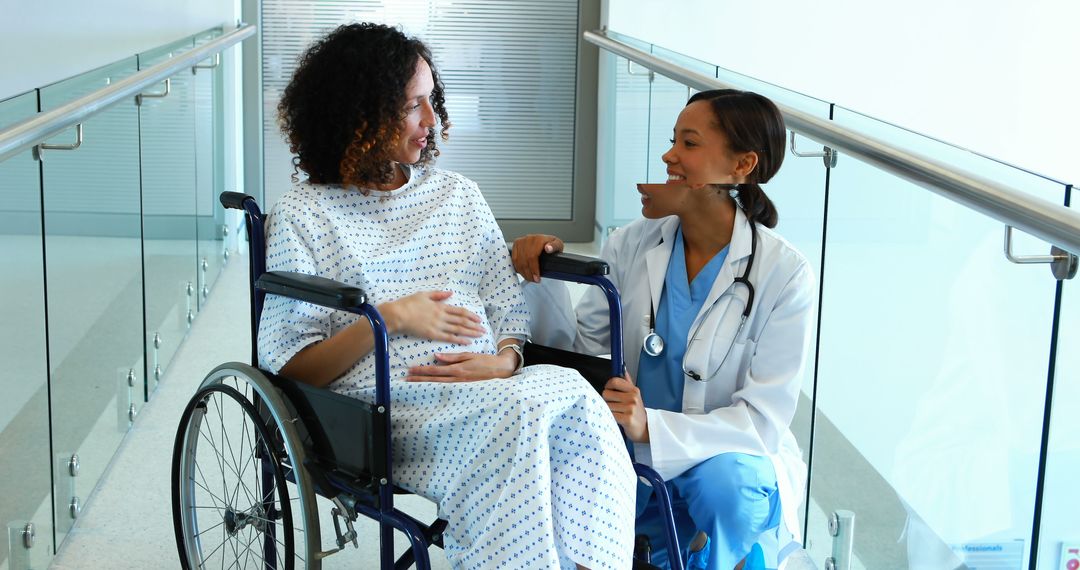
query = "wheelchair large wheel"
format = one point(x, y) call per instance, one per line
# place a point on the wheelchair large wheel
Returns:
point(241, 498)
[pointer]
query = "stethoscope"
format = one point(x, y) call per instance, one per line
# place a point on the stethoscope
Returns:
point(653, 344)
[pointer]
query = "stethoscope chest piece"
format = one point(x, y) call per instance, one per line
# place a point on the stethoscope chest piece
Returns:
point(654, 344)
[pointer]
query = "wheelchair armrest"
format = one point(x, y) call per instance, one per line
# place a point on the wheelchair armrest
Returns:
point(234, 200)
point(312, 289)
point(572, 264)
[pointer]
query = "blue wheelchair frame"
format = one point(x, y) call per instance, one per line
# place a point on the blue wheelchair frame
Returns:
point(594, 272)
point(374, 490)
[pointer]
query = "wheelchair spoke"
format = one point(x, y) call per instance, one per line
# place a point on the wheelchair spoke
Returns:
point(251, 459)
point(206, 486)
point(209, 492)
point(268, 521)
point(205, 558)
point(255, 466)
point(224, 540)
point(244, 462)
point(219, 456)
point(223, 461)
point(244, 550)
point(232, 456)
point(249, 551)
point(214, 446)
point(268, 496)
point(282, 544)
point(208, 437)
point(225, 458)
point(240, 485)
point(235, 553)
point(227, 442)
point(210, 529)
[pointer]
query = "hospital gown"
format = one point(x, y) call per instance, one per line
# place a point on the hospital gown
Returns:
point(530, 471)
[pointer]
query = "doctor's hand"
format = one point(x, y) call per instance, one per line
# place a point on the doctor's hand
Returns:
point(426, 315)
point(624, 399)
point(465, 367)
point(526, 254)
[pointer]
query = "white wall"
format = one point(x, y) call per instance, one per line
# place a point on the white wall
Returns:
point(45, 41)
point(995, 76)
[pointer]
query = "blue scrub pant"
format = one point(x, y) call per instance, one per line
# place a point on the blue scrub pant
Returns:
point(732, 497)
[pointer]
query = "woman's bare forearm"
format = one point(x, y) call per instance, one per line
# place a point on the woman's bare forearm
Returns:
point(423, 314)
point(321, 363)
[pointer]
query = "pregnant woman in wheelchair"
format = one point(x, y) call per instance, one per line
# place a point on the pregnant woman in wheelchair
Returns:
point(527, 465)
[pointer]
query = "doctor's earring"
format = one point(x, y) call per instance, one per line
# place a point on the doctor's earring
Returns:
point(733, 191)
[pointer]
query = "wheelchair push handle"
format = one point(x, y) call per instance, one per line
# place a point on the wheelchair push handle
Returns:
point(572, 264)
point(234, 200)
point(564, 266)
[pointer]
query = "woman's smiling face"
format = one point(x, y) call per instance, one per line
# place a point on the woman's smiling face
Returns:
point(699, 155)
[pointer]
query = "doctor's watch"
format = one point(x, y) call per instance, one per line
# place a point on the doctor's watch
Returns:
point(520, 354)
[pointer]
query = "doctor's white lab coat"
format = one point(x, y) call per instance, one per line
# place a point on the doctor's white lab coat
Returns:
point(748, 405)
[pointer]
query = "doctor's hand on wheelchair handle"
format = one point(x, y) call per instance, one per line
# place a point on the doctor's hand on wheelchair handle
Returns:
point(426, 315)
point(526, 254)
point(624, 399)
point(465, 367)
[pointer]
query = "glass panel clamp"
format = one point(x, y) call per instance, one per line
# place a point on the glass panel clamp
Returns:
point(1062, 263)
point(829, 156)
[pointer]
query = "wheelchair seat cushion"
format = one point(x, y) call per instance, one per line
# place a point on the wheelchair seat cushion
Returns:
point(595, 369)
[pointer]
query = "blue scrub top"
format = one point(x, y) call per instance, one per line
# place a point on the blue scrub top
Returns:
point(660, 378)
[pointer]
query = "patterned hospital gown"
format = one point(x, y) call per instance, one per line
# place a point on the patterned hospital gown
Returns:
point(530, 471)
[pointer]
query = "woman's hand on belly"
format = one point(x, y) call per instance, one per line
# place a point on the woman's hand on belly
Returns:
point(426, 315)
point(465, 367)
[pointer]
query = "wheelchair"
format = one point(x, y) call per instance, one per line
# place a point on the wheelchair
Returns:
point(253, 450)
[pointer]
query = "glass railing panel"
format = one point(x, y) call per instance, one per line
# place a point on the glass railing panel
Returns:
point(795, 100)
point(94, 275)
point(932, 372)
point(798, 192)
point(1059, 527)
point(209, 168)
point(169, 212)
point(623, 141)
point(960, 158)
point(24, 409)
point(629, 40)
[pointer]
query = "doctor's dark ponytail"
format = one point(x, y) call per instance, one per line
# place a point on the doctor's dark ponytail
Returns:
point(750, 122)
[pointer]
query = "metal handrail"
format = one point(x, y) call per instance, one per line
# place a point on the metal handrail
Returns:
point(42, 126)
point(1041, 218)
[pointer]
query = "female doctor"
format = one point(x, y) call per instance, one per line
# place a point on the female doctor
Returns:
point(718, 310)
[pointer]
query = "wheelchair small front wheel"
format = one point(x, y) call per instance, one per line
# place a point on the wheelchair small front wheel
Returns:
point(236, 499)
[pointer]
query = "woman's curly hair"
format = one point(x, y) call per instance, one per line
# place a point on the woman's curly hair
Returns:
point(342, 110)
